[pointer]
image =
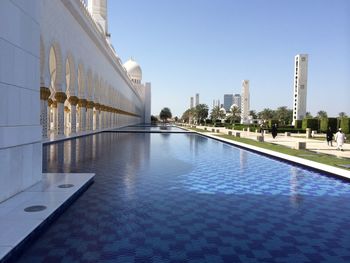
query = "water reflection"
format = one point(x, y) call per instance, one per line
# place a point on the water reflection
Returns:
point(243, 159)
point(70, 155)
point(295, 186)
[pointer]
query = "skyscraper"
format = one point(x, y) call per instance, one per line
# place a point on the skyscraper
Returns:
point(228, 100)
point(237, 100)
point(245, 101)
point(300, 86)
point(197, 99)
point(191, 103)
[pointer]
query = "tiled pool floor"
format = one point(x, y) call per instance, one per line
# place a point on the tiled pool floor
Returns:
point(187, 198)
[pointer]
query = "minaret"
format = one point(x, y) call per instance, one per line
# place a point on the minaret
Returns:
point(300, 87)
point(98, 10)
point(245, 100)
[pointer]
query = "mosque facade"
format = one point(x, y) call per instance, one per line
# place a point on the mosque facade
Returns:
point(59, 76)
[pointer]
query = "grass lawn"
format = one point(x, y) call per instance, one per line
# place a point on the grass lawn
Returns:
point(305, 154)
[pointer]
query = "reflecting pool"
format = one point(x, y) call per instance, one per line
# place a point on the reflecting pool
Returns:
point(187, 198)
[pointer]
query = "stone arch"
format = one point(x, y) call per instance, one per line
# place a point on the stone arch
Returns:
point(70, 76)
point(55, 67)
point(81, 82)
point(42, 62)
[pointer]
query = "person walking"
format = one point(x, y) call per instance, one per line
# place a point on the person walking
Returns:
point(340, 139)
point(329, 137)
point(274, 131)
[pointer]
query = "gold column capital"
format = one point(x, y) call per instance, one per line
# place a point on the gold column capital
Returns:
point(60, 97)
point(82, 103)
point(90, 104)
point(73, 100)
point(44, 93)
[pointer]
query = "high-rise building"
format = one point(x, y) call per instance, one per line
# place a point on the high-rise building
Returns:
point(228, 100)
point(245, 105)
point(216, 103)
point(237, 100)
point(191, 102)
point(300, 86)
point(197, 99)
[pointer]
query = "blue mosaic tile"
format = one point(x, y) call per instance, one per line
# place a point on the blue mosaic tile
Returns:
point(187, 198)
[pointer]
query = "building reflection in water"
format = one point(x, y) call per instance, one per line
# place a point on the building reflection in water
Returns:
point(296, 197)
point(243, 159)
point(82, 155)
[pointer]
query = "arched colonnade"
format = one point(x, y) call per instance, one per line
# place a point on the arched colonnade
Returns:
point(76, 99)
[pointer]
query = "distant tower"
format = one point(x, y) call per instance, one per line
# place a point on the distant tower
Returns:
point(197, 99)
point(191, 102)
point(237, 100)
point(228, 100)
point(98, 10)
point(300, 86)
point(245, 101)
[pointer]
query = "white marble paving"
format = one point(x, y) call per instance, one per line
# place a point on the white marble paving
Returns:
point(16, 224)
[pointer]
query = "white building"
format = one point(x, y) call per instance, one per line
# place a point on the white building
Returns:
point(191, 102)
point(228, 100)
point(245, 105)
point(59, 76)
point(237, 100)
point(197, 99)
point(300, 86)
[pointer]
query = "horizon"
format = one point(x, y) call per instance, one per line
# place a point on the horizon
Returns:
point(186, 48)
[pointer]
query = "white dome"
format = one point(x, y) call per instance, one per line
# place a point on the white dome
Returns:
point(234, 105)
point(133, 69)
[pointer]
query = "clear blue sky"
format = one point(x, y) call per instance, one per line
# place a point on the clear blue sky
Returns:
point(209, 47)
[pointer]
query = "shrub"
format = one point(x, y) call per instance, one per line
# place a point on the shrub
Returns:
point(272, 122)
point(310, 123)
point(329, 122)
point(298, 124)
point(345, 125)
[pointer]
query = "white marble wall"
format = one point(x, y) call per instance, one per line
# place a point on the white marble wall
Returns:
point(20, 130)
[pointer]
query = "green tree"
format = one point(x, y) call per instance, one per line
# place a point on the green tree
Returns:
point(186, 115)
point(165, 114)
point(266, 114)
point(234, 114)
point(253, 114)
point(201, 112)
point(283, 115)
point(342, 114)
point(308, 115)
point(321, 114)
point(217, 113)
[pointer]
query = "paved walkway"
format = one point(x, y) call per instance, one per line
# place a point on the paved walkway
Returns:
point(316, 145)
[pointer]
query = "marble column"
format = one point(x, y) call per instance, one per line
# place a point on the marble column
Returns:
point(44, 96)
point(54, 116)
point(89, 107)
point(97, 116)
point(60, 98)
point(73, 100)
point(82, 114)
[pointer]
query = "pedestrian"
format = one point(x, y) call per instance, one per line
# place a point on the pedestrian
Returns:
point(329, 137)
point(274, 131)
point(340, 139)
point(262, 129)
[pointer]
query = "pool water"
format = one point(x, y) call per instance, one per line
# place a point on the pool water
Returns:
point(188, 198)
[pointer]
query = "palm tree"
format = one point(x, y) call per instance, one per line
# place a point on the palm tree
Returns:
point(308, 115)
point(201, 112)
point(321, 114)
point(283, 115)
point(234, 114)
point(253, 114)
point(342, 114)
point(217, 113)
point(266, 114)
